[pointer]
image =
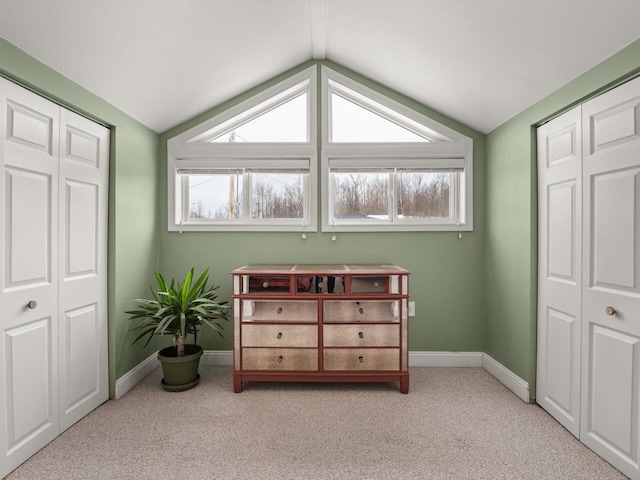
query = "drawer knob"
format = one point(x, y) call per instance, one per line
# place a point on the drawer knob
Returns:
point(265, 285)
point(279, 310)
point(280, 358)
point(361, 310)
point(610, 311)
point(32, 304)
point(361, 358)
point(279, 336)
point(375, 284)
point(361, 334)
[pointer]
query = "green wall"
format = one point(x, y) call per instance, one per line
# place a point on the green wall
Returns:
point(447, 273)
point(133, 196)
point(511, 220)
point(474, 294)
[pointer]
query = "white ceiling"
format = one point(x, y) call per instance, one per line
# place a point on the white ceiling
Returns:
point(165, 61)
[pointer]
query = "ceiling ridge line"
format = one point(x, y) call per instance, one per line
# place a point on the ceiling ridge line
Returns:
point(318, 15)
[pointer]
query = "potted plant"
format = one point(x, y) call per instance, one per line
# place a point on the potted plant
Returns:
point(179, 309)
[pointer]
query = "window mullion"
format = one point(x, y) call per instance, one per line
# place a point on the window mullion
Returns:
point(305, 202)
point(393, 192)
point(454, 195)
point(184, 199)
point(247, 197)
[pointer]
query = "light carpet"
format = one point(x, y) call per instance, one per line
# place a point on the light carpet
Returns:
point(456, 423)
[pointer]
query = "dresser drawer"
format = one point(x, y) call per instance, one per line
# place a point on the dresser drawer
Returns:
point(294, 359)
point(338, 311)
point(369, 284)
point(280, 311)
point(354, 359)
point(361, 336)
point(269, 283)
point(279, 335)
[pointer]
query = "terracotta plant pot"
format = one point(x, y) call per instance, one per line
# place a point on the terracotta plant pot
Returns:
point(180, 373)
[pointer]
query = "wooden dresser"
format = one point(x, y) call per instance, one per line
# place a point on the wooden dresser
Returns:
point(321, 323)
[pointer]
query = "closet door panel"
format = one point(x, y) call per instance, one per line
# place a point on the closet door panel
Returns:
point(559, 273)
point(614, 234)
point(28, 244)
point(562, 374)
point(83, 304)
point(28, 268)
point(82, 330)
point(614, 373)
point(610, 422)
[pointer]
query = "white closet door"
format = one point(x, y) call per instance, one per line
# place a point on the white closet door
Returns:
point(84, 148)
point(559, 272)
point(610, 422)
point(29, 132)
point(53, 264)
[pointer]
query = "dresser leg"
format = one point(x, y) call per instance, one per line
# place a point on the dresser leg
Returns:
point(404, 385)
point(237, 384)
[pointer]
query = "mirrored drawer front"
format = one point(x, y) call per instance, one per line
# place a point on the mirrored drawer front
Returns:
point(339, 359)
point(279, 311)
point(361, 336)
point(267, 283)
point(279, 335)
point(318, 284)
point(294, 359)
point(369, 284)
point(361, 311)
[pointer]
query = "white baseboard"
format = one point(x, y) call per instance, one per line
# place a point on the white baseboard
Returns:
point(416, 359)
point(506, 377)
point(217, 357)
point(445, 359)
point(473, 359)
point(136, 374)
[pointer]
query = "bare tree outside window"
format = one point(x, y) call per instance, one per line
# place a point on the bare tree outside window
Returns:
point(423, 194)
point(420, 194)
point(277, 196)
point(361, 194)
point(220, 196)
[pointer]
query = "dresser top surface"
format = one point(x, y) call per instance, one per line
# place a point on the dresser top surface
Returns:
point(321, 269)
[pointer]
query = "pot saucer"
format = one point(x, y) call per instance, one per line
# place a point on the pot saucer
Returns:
point(180, 388)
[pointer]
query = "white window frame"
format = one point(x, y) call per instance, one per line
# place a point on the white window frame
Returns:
point(445, 149)
point(192, 149)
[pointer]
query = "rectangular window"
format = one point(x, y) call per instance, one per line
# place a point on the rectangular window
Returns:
point(219, 196)
point(410, 197)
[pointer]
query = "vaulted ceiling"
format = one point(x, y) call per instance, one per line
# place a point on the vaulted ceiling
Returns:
point(164, 61)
